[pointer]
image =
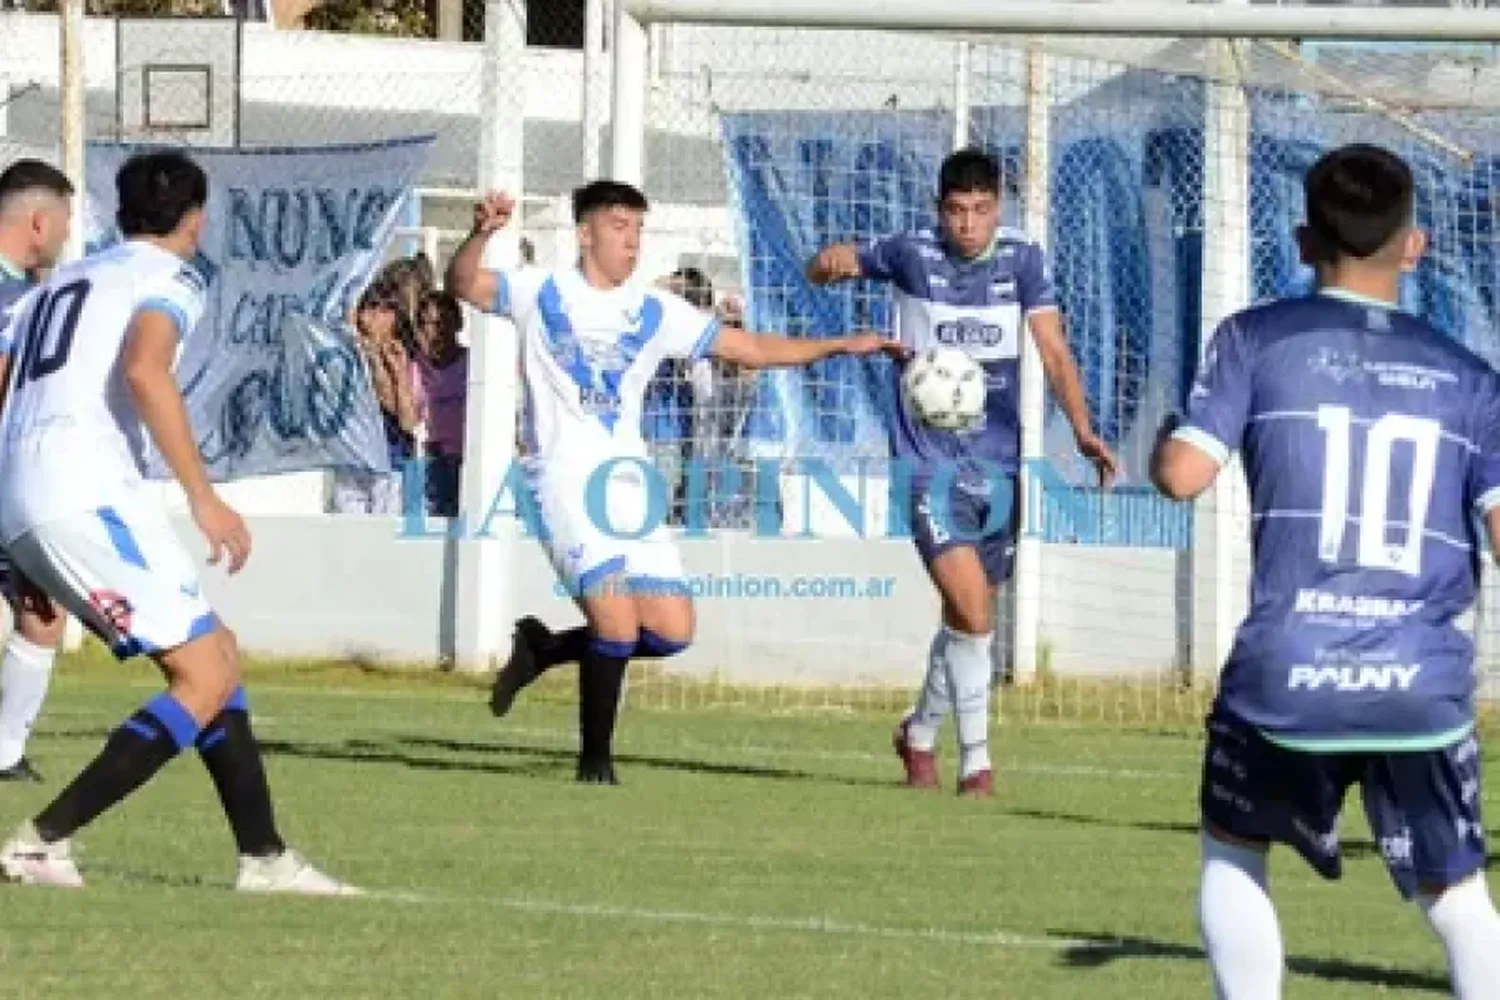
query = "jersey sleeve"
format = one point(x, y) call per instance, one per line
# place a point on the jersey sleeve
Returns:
point(686, 331)
point(1034, 289)
point(515, 291)
point(1484, 467)
point(885, 258)
point(180, 296)
point(1219, 405)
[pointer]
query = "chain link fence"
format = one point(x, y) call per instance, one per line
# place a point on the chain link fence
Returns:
point(762, 145)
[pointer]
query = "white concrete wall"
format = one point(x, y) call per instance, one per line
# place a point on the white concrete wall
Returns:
point(348, 586)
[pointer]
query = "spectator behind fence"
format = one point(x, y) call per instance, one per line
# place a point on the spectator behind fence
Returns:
point(411, 278)
point(443, 377)
point(382, 334)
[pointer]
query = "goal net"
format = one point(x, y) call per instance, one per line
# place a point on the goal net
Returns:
point(1163, 176)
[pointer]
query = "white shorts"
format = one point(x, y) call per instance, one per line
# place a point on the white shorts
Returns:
point(588, 546)
point(123, 572)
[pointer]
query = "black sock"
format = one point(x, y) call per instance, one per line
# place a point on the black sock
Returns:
point(232, 756)
point(142, 745)
point(601, 673)
point(651, 646)
point(564, 647)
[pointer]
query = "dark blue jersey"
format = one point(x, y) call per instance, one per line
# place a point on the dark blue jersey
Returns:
point(978, 306)
point(1370, 443)
point(13, 285)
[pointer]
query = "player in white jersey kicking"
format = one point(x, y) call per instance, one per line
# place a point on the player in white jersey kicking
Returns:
point(34, 226)
point(92, 377)
point(591, 338)
point(1371, 443)
point(977, 287)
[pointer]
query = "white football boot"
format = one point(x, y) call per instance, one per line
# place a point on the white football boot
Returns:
point(28, 859)
point(289, 872)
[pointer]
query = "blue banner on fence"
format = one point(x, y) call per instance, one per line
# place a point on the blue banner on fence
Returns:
point(271, 375)
point(1127, 242)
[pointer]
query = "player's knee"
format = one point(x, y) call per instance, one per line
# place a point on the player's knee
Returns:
point(971, 617)
point(616, 622)
point(655, 645)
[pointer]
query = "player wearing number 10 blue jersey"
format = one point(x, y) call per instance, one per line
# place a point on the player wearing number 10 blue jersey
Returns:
point(1370, 442)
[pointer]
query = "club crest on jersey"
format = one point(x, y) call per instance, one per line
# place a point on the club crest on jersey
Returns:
point(1340, 366)
point(967, 331)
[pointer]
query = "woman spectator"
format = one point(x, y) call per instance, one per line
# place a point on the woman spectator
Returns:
point(383, 335)
point(443, 376)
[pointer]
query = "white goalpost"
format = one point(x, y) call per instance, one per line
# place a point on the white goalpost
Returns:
point(1207, 104)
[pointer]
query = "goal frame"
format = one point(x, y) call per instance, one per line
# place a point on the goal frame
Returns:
point(1209, 567)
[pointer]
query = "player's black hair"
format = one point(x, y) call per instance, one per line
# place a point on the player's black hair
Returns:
point(25, 176)
point(969, 170)
point(696, 287)
point(1358, 198)
point(156, 191)
point(597, 195)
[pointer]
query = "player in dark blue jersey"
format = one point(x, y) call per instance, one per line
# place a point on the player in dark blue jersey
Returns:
point(34, 226)
point(1371, 446)
point(975, 286)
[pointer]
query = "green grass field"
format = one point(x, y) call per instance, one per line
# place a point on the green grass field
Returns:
point(748, 855)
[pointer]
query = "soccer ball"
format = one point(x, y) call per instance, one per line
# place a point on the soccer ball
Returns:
point(945, 389)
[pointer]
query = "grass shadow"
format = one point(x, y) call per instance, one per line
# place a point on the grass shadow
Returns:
point(1097, 950)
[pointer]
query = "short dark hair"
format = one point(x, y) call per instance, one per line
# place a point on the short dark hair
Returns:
point(969, 170)
point(447, 307)
point(25, 176)
point(1358, 198)
point(597, 195)
point(157, 190)
point(696, 287)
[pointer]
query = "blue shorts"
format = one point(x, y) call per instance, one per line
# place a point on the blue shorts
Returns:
point(1423, 806)
point(985, 519)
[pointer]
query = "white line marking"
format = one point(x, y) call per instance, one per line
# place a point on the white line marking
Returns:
point(803, 925)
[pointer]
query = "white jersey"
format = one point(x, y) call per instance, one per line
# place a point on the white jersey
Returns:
point(70, 438)
point(587, 356)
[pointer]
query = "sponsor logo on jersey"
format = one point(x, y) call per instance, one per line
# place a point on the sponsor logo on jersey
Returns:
point(1398, 375)
point(1340, 366)
point(969, 332)
point(113, 608)
point(596, 401)
point(1353, 677)
point(1320, 602)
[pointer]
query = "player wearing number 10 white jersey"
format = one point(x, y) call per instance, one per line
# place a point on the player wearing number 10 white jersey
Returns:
point(91, 377)
point(1371, 445)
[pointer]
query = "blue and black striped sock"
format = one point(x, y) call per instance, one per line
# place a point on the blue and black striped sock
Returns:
point(142, 745)
point(231, 753)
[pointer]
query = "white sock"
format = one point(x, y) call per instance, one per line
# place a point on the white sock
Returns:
point(969, 674)
point(1465, 920)
point(1238, 921)
point(935, 700)
point(25, 672)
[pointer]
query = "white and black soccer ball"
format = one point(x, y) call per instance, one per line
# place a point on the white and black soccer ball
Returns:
point(945, 389)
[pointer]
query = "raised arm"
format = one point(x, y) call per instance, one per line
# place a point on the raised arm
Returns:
point(890, 258)
point(467, 279)
point(839, 262)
